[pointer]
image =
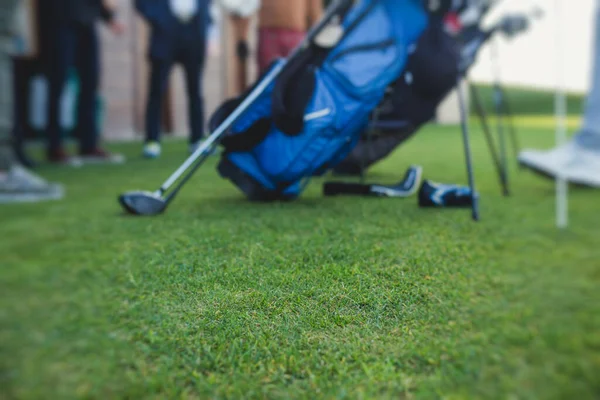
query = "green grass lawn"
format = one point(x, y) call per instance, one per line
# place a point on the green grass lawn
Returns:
point(530, 101)
point(320, 298)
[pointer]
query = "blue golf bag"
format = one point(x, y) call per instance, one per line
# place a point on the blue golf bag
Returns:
point(309, 119)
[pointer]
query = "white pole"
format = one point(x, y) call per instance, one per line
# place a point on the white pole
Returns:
point(562, 195)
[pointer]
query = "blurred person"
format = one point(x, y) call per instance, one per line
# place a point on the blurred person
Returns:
point(179, 32)
point(73, 42)
point(241, 31)
point(282, 26)
point(17, 184)
point(579, 159)
point(240, 12)
point(26, 48)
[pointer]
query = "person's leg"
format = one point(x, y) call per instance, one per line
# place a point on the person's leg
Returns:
point(17, 184)
point(193, 78)
point(6, 151)
point(194, 70)
point(241, 28)
point(87, 61)
point(88, 71)
point(60, 59)
point(20, 113)
point(589, 137)
point(158, 79)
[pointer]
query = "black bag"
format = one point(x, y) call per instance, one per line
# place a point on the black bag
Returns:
point(431, 74)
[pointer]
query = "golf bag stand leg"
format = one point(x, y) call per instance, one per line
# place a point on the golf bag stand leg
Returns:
point(483, 119)
point(368, 147)
point(467, 145)
point(508, 113)
point(498, 105)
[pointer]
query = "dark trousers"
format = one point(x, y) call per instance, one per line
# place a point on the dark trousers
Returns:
point(74, 46)
point(159, 77)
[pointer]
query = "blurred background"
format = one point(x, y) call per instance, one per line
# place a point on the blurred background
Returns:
point(527, 63)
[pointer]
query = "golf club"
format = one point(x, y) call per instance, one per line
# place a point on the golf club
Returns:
point(144, 203)
point(405, 188)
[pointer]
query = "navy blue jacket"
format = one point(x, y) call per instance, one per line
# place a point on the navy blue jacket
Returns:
point(170, 38)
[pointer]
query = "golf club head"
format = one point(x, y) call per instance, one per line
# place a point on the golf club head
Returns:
point(513, 25)
point(406, 188)
point(143, 203)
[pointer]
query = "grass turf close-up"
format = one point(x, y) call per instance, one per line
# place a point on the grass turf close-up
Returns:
point(318, 298)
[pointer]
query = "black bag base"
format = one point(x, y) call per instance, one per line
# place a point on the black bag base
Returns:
point(253, 190)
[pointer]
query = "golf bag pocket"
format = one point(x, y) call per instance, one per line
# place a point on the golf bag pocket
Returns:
point(316, 110)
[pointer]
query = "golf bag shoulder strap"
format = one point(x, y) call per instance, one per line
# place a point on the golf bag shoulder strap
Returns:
point(294, 89)
point(290, 97)
point(247, 139)
point(250, 138)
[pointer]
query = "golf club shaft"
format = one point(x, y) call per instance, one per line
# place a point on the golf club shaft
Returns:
point(467, 144)
point(188, 175)
point(359, 189)
point(370, 129)
point(339, 7)
point(407, 187)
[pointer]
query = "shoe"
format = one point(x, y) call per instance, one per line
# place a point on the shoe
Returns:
point(577, 164)
point(60, 157)
point(548, 163)
point(584, 169)
point(101, 156)
point(19, 185)
point(151, 150)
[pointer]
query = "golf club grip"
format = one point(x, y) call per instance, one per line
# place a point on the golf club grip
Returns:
point(343, 188)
